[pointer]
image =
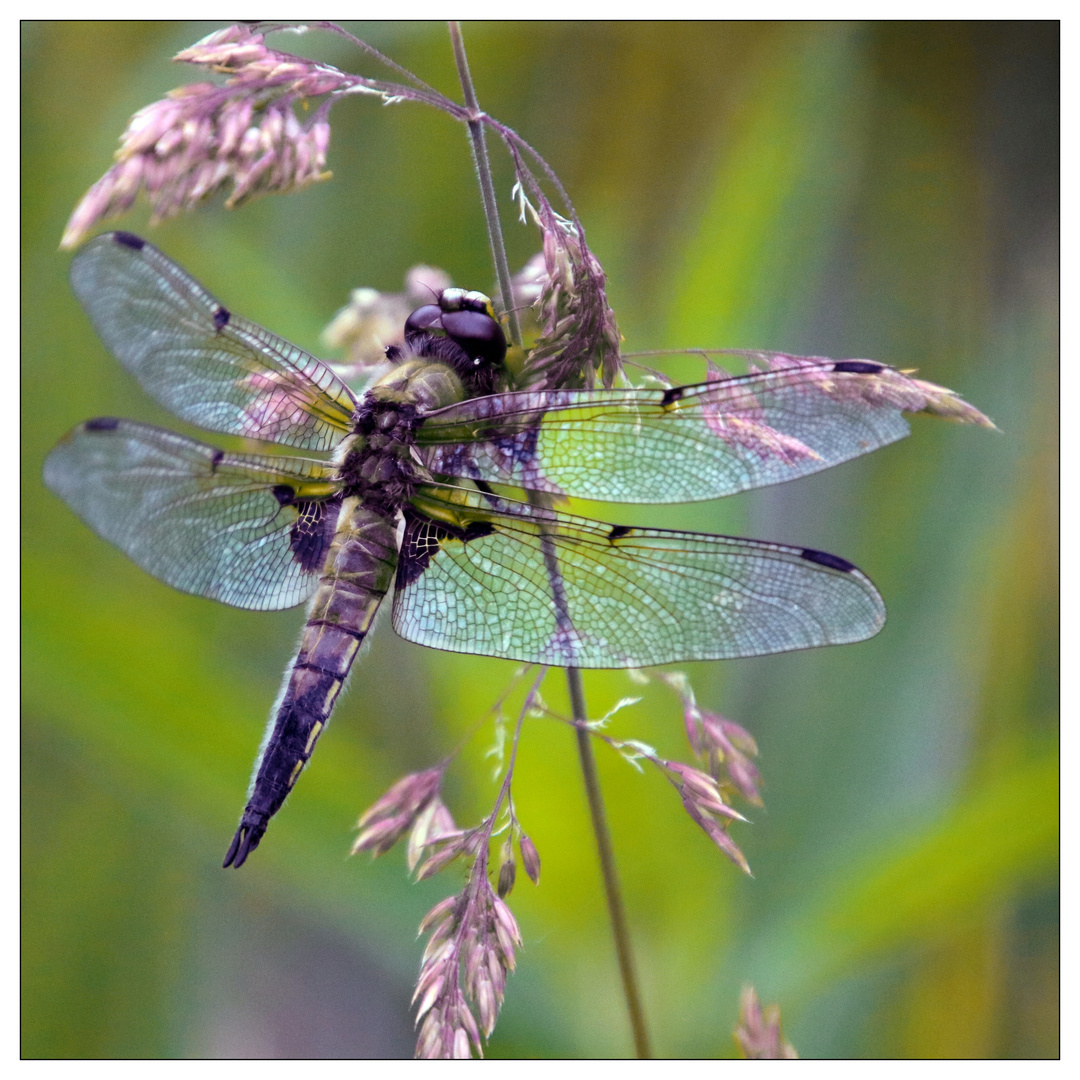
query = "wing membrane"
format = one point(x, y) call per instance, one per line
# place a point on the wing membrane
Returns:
point(250, 531)
point(687, 443)
point(210, 367)
point(530, 584)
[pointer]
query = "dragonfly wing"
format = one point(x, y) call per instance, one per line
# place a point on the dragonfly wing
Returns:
point(686, 443)
point(522, 582)
point(251, 531)
point(203, 363)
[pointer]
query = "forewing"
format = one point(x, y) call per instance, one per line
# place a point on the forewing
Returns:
point(208, 366)
point(687, 443)
point(250, 531)
point(530, 584)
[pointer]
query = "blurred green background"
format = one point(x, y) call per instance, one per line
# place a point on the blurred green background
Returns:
point(877, 190)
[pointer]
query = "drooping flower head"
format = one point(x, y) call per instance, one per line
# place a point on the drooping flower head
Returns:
point(242, 132)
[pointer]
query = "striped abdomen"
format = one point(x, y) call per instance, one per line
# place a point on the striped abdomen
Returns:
point(357, 573)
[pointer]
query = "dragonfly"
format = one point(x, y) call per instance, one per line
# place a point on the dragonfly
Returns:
point(440, 485)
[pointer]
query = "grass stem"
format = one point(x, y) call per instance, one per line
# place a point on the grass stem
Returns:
point(616, 909)
point(478, 144)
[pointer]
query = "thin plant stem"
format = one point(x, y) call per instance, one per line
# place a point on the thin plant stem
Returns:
point(616, 910)
point(478, 143)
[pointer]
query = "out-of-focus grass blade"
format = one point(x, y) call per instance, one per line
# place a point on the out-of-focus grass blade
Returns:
point(1002, 835)
point(787, 169)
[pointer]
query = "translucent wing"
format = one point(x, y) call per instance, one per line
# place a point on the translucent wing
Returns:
point(208, 366)
point(686, 443)
point(250, 531)
point(531, 584)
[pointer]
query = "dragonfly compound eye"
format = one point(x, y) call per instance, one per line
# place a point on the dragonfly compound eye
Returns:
point(465, 300)
point(477, 333)
point(462, 319)
point(428, 317)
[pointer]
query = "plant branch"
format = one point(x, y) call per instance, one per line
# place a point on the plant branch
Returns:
point(616, 911)
point(478, 143)
point(333, 27)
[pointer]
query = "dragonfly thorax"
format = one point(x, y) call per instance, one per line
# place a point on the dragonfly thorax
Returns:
point(380, 465)
point(420, 382)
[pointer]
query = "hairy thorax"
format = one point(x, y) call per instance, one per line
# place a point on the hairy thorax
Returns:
point(378, 462)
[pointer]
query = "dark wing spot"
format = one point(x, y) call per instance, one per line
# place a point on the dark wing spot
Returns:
point(221, 317)
point(618, 532)
point(102, 423)
point(423, 538)
point(313, 532)
point(216, 459)
point(672, 395)
point(420, 542)
point(136, 243)
point(823, 558)
point(858, 367)
point(474, 531)
point(284, 494)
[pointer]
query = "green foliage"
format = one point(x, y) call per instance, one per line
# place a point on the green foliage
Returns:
point(882, 191)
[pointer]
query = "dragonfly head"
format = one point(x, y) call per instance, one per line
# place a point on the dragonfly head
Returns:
point(461, 330)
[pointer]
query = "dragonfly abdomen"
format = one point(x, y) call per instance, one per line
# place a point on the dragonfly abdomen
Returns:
point(357, 573)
